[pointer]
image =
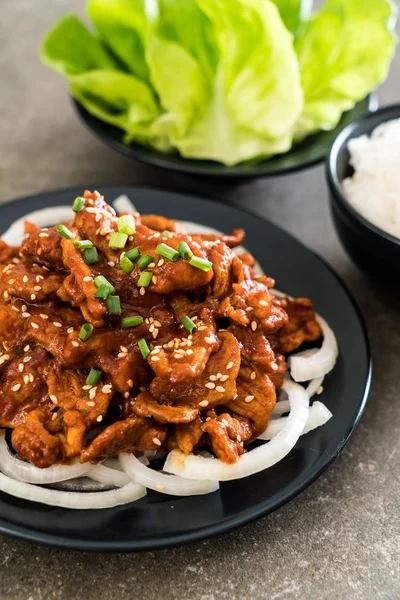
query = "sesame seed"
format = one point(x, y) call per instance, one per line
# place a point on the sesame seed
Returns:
point(189, 351)
point(202, 328)
point(87, 278)
point(253, 325)
point(253, 375)
point(213, 377)
point(44, 316)
point(27, 358)
point(26, 379)
point(54, 416)
point(151, 328)
point(106, 389)
point(263, 303)
point(90, 403)
point(26, 315)
point(90, 209)
point(178, 356)
point(39, 277)
point(27, 347)
point(130, 382)
point(54, 399)
point(156, 441)
point(210, 385)
point(142, 291)
point(154, 279)
point(24, 308)
point(204, 403)
point(75, 344)
point(111, 263)
point(20, 367)
point(122, 355)
point(11, 281)
point(92, 393)
point(320, 390)
point(35, 325)
point(249, 398)
point(157, 323)
point(219, 388)
point(229, 366)
point(57, 324)
point(224, 377)
point(39, 252)
point(86, 387)
point(43, 235)
point(274, 366)
point(151, 265)
point(155, 351)
point(98, 218)
point(33, 296)
point(6, 295)
point(160, 262)
point(159, 487)
point(124, 349)
point(239, 438)
point(156, 235)
point(25, 279)
point(155, 358)
point(16, 387)
point(155, 333)
point(99, 419)
point(15, 308)
point(219, 375)
point(31, 377)
point(70, 330)
point(249, 309)
point(208, 340)
point(126, 395)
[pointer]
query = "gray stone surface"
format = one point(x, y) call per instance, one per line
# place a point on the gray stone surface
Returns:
point(340, 539)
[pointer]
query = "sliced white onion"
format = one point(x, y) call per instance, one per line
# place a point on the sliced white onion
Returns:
point(44, 217)
point(281, 408)
point(23, 471)
point(304, 368)
point(258, 459)
point(123, 204)
point(108, 476)
point(314, 385)
point(160, 482)
point(74, 500)
point(318, 415)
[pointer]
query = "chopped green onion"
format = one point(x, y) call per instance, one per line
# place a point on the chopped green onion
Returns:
point(133, 254)
point(62, 230)
point(83, 244)
point(91, 256)
point(100, 280)
point(103, 292)
point(94, 377)
point(167, 233)
point(126, 264)
point(85, 332)
point(144, 279)
point(78, 204)
point(126, 224)
point(188, 324)
point(143, 347)
point(185, 251)
point(113, 305)
point(167, 252)
point(200, 263)
point(117, 241)
point(144, 261)
point(131, 321)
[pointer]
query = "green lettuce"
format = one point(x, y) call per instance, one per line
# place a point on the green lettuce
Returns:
point(226, 80)
point(344, 53)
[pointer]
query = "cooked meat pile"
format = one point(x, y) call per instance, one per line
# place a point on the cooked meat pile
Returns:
point(198, 370)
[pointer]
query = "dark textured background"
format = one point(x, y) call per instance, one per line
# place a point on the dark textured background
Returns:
point(341, 538)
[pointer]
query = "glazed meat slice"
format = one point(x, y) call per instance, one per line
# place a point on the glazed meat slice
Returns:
point(7, 254)
point(34, 442)
point(43, 247)
point(216, 385)
point(256, 398)
point(132, 434)
point(223, 446)
point(301, 326)
point(145, 406)
point(235, 239)
point(161, 223)
point(188, 436)
point(255, 348)
point(22, 384)
point(222, 258)
point(92, 309)
point(31, 283)
point(239, 428)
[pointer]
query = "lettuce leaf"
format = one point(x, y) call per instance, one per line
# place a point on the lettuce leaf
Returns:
point(242, 95)
point(344, 53)
point(69, 48)
point(122, 25)
point(294, 13)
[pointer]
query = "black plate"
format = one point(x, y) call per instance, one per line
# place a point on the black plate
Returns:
point(160, 521)
point(310, 152)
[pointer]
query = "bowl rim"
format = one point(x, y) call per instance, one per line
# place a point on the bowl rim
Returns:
point(334, 182)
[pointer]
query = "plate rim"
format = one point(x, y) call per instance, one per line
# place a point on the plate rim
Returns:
point(135, 153)
point(228, 524)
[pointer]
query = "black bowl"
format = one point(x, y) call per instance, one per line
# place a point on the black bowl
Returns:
point(372, 249)
point(311, 151)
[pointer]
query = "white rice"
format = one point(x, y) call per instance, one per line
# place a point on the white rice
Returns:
point(374, 189)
